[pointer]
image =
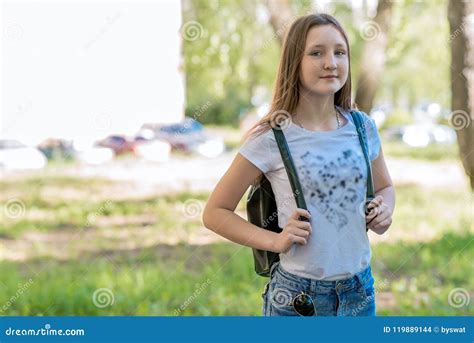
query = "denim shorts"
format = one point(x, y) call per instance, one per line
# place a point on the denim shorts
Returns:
point(354, 296)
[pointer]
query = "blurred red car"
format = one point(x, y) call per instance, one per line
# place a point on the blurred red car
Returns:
point(119, 144)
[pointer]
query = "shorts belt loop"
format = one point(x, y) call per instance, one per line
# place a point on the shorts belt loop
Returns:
point(359, 277)
point(273, 267)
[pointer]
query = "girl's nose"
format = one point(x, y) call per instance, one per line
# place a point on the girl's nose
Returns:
point(330, 63)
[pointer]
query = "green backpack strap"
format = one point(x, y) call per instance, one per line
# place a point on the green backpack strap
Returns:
point(362, 133)
point(290, 170)
point(357, 117)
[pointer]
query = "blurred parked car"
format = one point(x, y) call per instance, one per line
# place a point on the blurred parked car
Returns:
point(87, 151)
point(118, 143)
point(188, 136)
point(15, 155)
point(96, 155)
point(145, 146)
point(421, 135)
point(153, 150)
point(57, 148)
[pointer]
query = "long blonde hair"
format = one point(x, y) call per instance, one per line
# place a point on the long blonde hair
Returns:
point(287, 85)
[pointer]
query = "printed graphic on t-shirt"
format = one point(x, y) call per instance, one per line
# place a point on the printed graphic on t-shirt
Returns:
point(333, 186)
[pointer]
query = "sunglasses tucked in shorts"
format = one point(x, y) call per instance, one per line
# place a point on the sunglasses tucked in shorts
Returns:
point(354, 296)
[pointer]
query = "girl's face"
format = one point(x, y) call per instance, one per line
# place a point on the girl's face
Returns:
point(325, 54)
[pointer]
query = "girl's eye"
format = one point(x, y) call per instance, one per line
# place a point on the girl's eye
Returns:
point(318, 53)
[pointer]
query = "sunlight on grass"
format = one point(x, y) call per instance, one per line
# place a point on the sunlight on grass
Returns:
point(433, 152)
point(425, 255)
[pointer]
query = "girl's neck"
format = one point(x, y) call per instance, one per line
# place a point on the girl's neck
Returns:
point(316, 112)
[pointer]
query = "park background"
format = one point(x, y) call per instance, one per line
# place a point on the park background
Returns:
point(108, 220)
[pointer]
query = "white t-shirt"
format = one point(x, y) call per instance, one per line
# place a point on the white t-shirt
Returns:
point(333, 175)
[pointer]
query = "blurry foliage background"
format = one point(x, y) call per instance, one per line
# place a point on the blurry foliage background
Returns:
point(238, 53)
point(73, 235)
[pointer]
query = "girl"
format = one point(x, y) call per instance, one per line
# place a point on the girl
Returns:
point(324, 266)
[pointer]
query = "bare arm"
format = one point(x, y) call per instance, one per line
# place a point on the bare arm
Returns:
point(219, 213)
point(384, 190)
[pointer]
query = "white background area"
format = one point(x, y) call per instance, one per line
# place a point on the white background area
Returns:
point(86, 69)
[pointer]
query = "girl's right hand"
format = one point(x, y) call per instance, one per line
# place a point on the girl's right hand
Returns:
point(295, 231)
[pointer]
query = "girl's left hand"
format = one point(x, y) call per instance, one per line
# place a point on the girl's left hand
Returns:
point(379, 216)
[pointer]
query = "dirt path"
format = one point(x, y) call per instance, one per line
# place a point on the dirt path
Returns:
point(202, 174)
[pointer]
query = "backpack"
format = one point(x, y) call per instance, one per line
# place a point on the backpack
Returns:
point(261, 205)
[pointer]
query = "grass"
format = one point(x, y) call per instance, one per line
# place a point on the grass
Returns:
point(428, 254)
point(46, 213)
point(219, 280)
point(427, 212)
point(143, 284)
point(422, 275)
point(434, 152)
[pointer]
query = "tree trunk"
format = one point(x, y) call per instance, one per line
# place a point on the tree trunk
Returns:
point(461, 40)
point(373, 56)
point(281, 15)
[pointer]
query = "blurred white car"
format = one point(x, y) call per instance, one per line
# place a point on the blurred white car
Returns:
point(421, 135)
point(187, 136)
point(96, 155)
point(154, 151)
point(17, 156)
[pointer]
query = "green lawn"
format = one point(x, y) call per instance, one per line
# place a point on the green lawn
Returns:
point(429, 255)
point(434, 152)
